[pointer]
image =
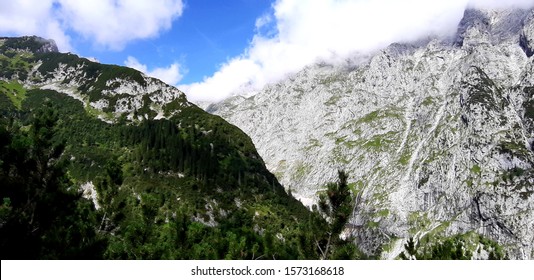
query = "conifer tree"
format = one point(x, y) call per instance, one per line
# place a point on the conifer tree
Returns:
point(336, 205)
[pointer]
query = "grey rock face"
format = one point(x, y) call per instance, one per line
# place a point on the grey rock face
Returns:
point(490, 26)
point(526, 39)
point(438, 139)
point(49, 46)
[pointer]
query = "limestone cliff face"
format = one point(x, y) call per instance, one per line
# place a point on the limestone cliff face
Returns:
point(438, 139)
point(527, 35)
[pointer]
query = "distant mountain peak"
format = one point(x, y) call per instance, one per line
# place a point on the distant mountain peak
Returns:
point(32, 44)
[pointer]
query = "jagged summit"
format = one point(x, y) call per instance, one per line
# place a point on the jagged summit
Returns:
point(493, 26)
point(32, 44)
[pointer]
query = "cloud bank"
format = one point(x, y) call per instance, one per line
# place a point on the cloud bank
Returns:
point(170, 75)
point(300, 32)
point(501, 3)
point(108, 23)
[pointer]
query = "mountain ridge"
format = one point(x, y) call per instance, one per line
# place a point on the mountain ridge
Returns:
point(161, 178)
point(437, 138)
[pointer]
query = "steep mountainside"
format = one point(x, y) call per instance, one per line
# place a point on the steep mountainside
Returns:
point(168, 180)
point(437, 137)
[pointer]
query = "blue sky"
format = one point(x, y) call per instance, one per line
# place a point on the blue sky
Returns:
point(196, 36)
point(207, 34)
point(211, 49)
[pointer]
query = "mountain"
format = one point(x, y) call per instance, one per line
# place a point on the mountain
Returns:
point(437, 137)
point(101, 161)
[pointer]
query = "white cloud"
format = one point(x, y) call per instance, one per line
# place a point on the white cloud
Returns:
point(108, 23)
point(263, 21)
point(32, 17)
point(170, 75)
point(112, 23)
point(307, 31)
point(502, 3)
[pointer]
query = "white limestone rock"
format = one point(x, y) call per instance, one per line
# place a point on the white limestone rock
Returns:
point(435, 137)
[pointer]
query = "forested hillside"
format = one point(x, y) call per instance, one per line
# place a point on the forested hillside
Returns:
point(100, 161)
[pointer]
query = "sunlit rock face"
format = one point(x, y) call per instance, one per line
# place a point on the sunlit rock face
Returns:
point(109, 91)
point(437, 136)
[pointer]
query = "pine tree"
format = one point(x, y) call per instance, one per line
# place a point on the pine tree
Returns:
point(336, 205)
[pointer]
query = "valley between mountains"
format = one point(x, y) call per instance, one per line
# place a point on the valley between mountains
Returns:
point(422, 150)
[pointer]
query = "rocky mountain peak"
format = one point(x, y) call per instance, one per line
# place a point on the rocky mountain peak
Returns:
point(32, 44)
point(491, 26)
